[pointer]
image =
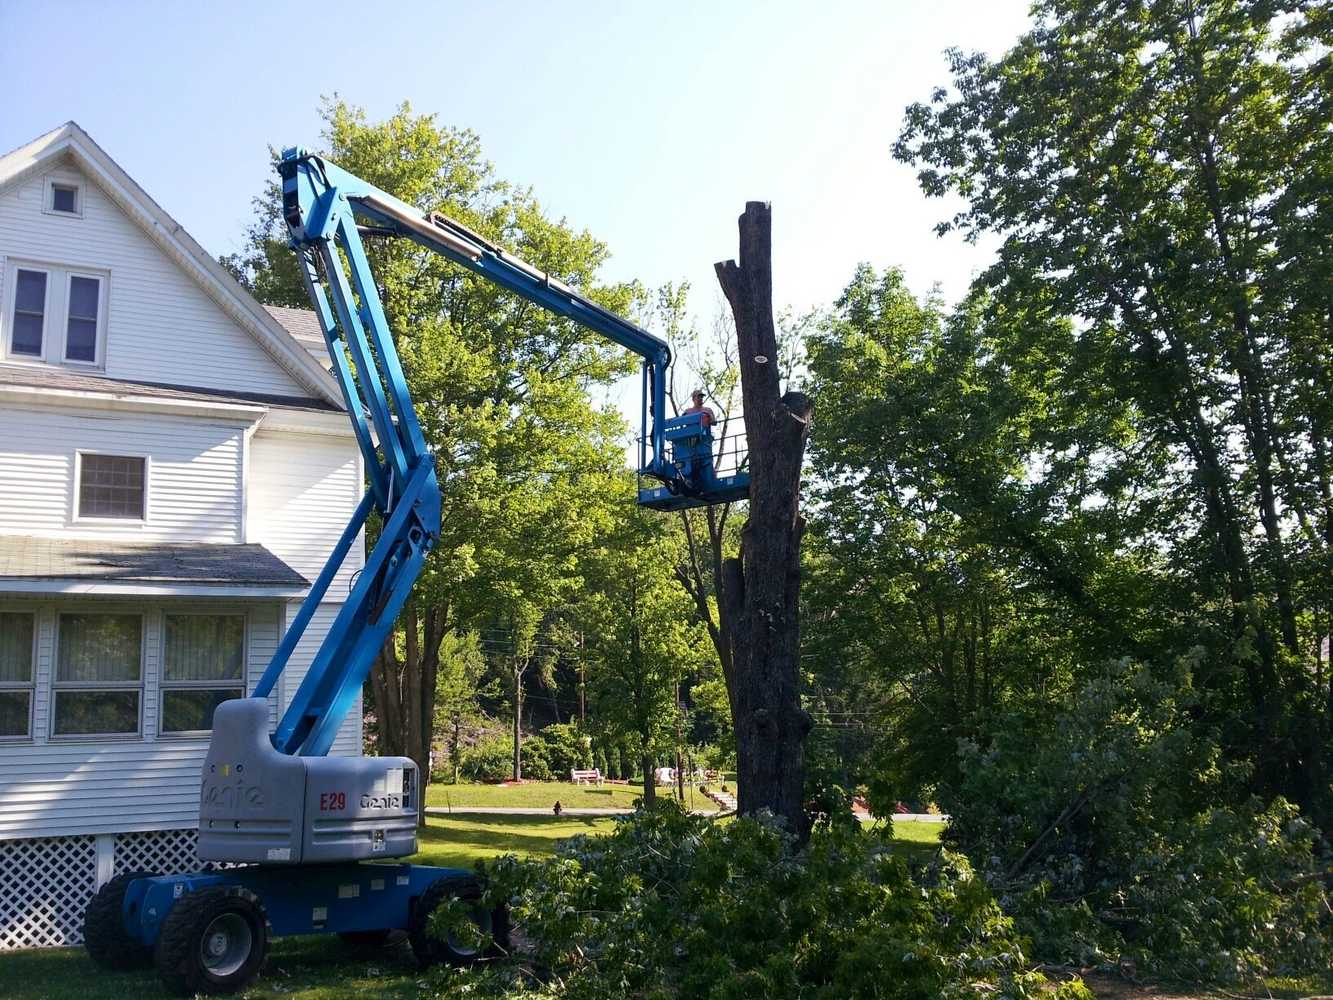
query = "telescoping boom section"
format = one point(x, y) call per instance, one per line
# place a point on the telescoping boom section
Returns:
point(325, 209)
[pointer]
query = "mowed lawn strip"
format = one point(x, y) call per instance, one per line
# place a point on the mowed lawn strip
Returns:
point(462, 841)
point(545, 794)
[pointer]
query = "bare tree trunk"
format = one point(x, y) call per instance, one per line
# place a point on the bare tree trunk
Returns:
point(649, 780)
point(385, 678)
point(761, 589)
point(518, 722)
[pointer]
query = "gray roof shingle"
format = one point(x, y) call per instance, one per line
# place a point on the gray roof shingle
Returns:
point(44, 377)
point(302, 324)
point(26, 558)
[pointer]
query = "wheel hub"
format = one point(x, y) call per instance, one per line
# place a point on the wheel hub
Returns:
point(226, 944)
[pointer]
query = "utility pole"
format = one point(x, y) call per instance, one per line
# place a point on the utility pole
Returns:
point(680, 768)
point(583, 686)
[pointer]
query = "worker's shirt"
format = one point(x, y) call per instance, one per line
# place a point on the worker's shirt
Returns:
point(708, 419)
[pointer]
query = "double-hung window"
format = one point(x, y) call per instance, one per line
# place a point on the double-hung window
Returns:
point(82, 315)
point(203, 664)
point(55, 315)
point(27, 317)
point(98, 688)
point(18, 630)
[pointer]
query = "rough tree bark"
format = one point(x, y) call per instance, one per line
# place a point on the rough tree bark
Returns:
point(761, 588)
point(404, 689)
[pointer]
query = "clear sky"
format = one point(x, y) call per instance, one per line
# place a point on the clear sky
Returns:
point(650, 124)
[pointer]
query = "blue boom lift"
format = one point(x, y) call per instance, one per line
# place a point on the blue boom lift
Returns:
point(304, 836)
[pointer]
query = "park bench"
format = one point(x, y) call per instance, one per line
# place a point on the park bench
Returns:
point(591, 777)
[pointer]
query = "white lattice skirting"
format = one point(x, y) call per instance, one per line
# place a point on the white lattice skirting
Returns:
point(46, 882)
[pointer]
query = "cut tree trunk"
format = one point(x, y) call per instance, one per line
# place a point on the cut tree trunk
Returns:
point(761, 588)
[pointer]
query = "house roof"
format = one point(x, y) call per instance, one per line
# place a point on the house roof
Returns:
point(304, 326)
point(61, 379)
point(98, 566)
point(71, 142)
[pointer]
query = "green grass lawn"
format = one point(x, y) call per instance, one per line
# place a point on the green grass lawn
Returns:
point(459, 842)
point(544, 795)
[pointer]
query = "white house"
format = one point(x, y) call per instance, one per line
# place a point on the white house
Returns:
point(175, 466)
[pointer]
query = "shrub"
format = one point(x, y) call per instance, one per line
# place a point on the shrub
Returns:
point(1098, 827)
point(490, 760)
point(567, 749)
point(536, 759)
point(673, 906)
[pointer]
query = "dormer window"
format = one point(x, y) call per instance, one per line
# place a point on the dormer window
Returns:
point(55, 315)
point(63, 198)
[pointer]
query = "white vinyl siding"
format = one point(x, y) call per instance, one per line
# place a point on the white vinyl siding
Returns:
point(194, 474)
point(304, 489)
point(161, 326)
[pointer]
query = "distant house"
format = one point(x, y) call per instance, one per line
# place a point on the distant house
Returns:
point(174, 468)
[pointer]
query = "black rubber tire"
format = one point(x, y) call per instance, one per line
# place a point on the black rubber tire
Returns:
point(104, 934)
point(431, 950)
point(180, 944)
point(365, 940)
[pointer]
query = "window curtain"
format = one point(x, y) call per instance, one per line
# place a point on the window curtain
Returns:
point(204, 647)
point(99, 649)
point(15, 647)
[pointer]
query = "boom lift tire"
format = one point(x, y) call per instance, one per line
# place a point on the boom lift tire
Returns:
point(431, 950)
point(104, 934)
point(214, 940)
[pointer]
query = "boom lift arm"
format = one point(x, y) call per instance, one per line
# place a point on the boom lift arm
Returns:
point(321, 205)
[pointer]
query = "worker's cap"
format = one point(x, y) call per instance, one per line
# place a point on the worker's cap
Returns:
point(698, 394)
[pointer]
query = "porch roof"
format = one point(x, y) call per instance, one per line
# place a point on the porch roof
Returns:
point(96, 566)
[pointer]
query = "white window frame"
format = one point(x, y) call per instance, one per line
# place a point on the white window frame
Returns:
point(76, 515)
point(99, 334)
point(11, 309)
point(58, 686)
point(49, 200)
point(55, 315)
point(164, 685)
point(31, 685)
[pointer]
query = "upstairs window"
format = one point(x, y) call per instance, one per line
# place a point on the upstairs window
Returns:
point(63, 198)
point(112, 486)
point(17, 631)
point(85, 298)
point(54, 314)
point(27, 326)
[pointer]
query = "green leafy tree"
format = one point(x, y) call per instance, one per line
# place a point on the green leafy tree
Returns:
point(642, 636)
point(1160, 173)
point(527, 465)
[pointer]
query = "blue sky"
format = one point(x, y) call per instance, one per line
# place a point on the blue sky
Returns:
point(648, 124)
